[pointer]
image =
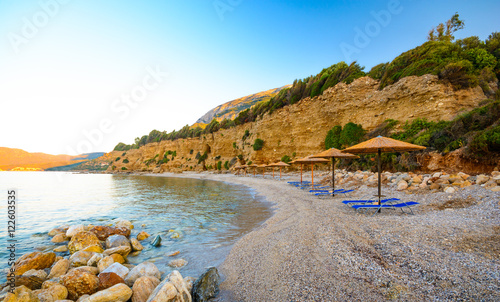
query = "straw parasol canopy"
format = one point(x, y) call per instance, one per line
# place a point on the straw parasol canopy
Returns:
point(381, 144)
point(279, 164)
point(254, 166)
point(333, 153)
point(312, 161)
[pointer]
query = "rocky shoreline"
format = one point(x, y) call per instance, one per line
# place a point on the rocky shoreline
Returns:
point(90, 265)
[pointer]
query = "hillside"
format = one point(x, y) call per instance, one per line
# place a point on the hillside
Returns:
point(300, 129)
point(232, 108)
point(20, 160)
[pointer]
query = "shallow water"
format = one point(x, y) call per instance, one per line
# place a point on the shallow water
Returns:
point(208, 216)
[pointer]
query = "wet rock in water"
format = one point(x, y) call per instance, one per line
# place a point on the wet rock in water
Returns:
point(21, 293)
point(59, 230)
point(206, 286)
point(31, 282)
point(59, 238)
point(59, 269)
point(136, 245)
point(52, 291)
point(142, 270)
point(167, 291)
point(157, 241)
point(174, 253)
point(81, 240)
point(61, 249)
point(103, 232)
point(122, 250)
point(34, 260)
point(104, 263)
point(80, 258)
point(177, 263)
point(74, 229)
point(118, 269)
point(143, 287)
point(37, 273)
point(94, 260)
point(108, 279)
point(122, 223)
point(189, 282)
point(176, 279)
point(142, 235)
point(79, 282)
point(117, 293)
point(116, 241)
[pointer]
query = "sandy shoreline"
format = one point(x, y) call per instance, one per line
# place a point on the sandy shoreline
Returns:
point(315, 249)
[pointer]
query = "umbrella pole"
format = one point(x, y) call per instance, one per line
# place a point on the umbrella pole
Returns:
point(273, 172)
point(379, 176)
point(312, 175)
point(280, 173)
point(333, 176)
point(300, 173)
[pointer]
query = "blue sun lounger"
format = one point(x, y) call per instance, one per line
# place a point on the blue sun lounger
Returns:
point(335, 192)
point(369, 201)
point(377, 207)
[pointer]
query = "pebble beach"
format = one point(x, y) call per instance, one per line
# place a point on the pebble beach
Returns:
point(318, 249)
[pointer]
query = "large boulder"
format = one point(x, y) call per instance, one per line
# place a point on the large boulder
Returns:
point(117, 293)
point(52, 291)
point(34, 260)
point(103, 232)
point(94, 260)
point(172, 288)
point(37, 273)
point(79, 283)
point(118, 269)
point(108, 279)
point(59, 269)
point(122, 250)
point(81, 240)
point(136, 245)
point(104, 263)
point(122, 223)
point(141, 270)
point(206, 286)
point(31, 282)
point(59, 238)
point(143, 287)
point(80, 258)
point(21, 294)
point(117, 241)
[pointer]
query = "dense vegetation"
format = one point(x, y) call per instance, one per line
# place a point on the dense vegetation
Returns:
point(478, 131)
point(463, 63)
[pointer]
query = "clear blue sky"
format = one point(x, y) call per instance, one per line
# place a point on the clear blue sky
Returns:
point(67, 66)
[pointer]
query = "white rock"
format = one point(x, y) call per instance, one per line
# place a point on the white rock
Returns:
point(74, 229)
point(450, 190)
point(402, 185)
point(118, 269)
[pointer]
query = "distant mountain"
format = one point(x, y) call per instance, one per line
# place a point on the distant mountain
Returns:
point(20, 160)
point(231, 109)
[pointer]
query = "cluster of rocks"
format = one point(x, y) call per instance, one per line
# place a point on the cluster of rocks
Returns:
point(436, 182)
point(97, 270)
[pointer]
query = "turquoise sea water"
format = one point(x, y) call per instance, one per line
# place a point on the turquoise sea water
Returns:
point(209, 216)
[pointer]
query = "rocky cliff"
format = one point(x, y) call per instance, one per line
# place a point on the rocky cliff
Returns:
point(301, 128)
point(231, 109)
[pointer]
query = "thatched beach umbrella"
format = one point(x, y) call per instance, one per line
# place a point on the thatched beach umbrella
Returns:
point(254, 166)
point(378, 145)
point(333, 153)
point(245, 169)
point(312, 161)
point(279, 164)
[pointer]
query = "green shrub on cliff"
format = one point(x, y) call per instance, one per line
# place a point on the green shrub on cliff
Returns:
point(125, 161)
point(226, 165)
point(286, 159)
point(258, 144)
point(340, 138)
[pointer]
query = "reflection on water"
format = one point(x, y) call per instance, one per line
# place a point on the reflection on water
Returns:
point(206, 216)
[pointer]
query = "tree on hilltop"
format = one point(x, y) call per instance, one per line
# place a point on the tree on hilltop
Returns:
point(444, 32)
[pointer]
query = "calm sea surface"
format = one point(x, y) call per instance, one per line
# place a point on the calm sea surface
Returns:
point(208, 216)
